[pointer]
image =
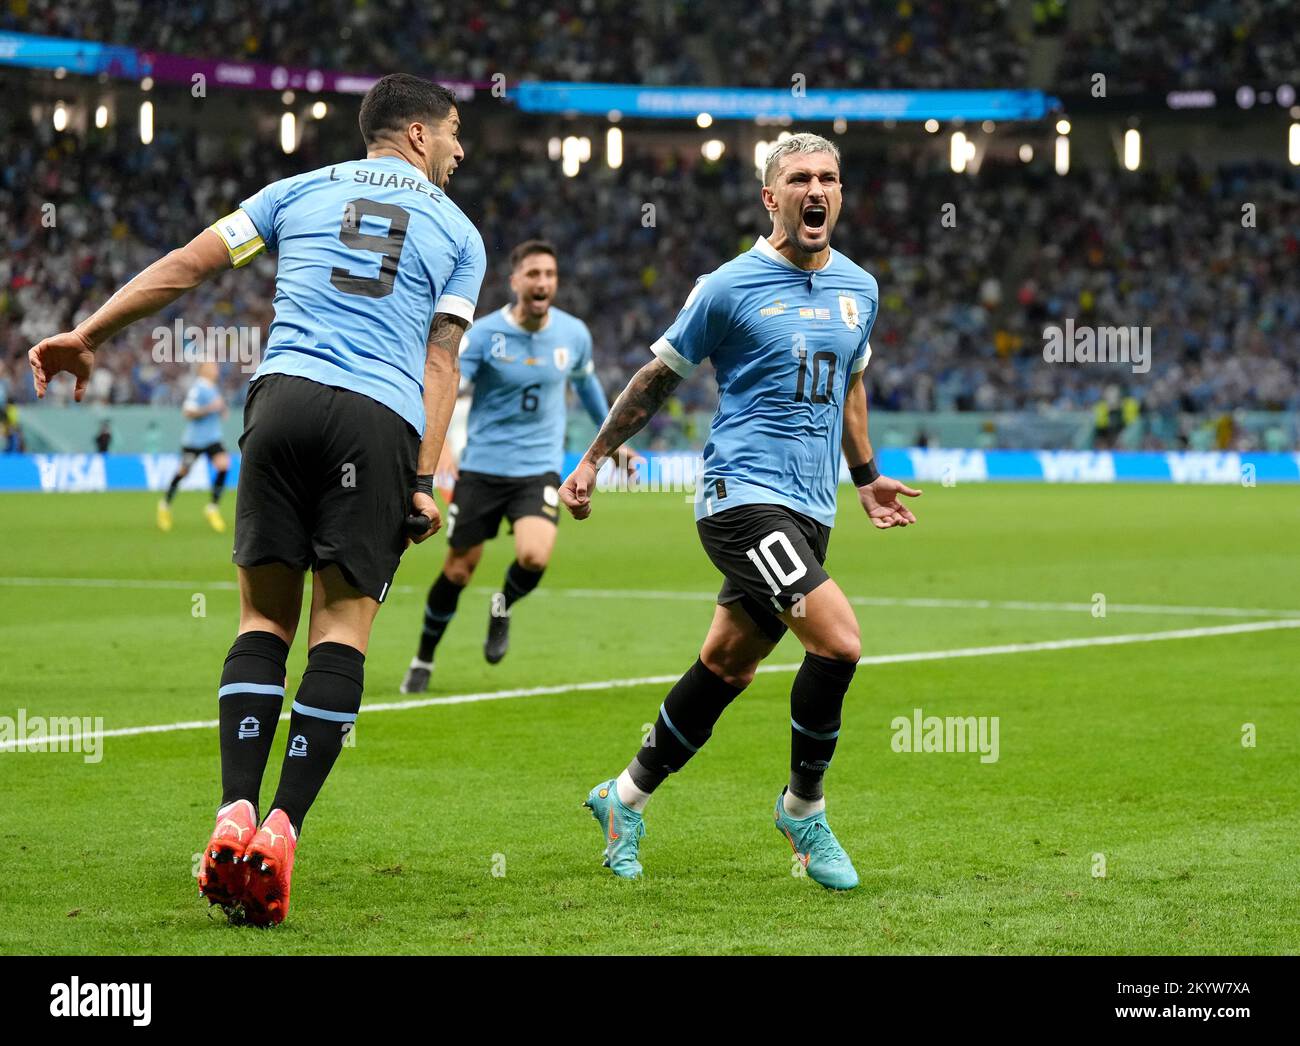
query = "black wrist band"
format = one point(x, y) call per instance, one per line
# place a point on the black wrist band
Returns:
point(862, 475)
point(424, 484)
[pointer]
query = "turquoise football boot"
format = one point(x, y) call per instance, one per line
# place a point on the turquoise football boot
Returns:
point(622, 829)
point(817, 848)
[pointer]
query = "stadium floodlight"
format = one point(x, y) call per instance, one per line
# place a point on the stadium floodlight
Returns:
point(614, 147)
point(1062, 126)
point(288, 132)
point(932, 126)
point(713, 150)
point(988, 127)
point(1026, 153)
point(553, 148)
point(704, 120)
point(958, 153)
point(146, 122)
point(1062, 154)
point(584, 149)
point(570, 152)
point(841, 125)
point(319, 109)
point(1293, 145)
point(1132, 149)
point(146, 84)
point(760, 155)
point(101, 117)
point(60, 117)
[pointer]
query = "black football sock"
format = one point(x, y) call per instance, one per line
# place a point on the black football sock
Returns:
point(171, 491)
point(250, 699)
point(218, 485)
point(685, 722)
point(324, 710)
point(519, 582)
point(816, 701)
point(439, 609)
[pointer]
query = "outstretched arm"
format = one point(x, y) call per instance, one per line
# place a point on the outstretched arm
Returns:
point(878, 494)
point(157, 286)
point(637, 404)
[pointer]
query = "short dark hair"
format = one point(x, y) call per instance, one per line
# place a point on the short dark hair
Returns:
point(400, 99)
point(531, 247)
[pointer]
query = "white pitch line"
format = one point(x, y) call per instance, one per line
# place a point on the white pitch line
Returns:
point(660, 680)
point(919, 602)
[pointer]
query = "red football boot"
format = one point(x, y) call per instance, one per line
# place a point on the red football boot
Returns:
point(222, 873)
point(269, 860)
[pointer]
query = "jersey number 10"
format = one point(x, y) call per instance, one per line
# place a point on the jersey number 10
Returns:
point(819, 359)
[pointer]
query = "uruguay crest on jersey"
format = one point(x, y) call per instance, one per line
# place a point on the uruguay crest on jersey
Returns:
point(562, 358)
point(849, 309)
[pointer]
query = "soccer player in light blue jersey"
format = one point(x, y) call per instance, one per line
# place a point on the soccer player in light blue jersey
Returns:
point(520, 361)
point(203, 408)
point(377, 277)
point(786, 326)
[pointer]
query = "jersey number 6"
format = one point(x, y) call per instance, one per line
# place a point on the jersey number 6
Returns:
point(389, 246)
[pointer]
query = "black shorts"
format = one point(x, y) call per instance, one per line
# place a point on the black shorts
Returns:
point(326, 477)
point(770, 557)
point(189, 455)
point(480, 500)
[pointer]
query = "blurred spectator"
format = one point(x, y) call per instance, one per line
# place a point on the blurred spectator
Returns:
point(961, 314)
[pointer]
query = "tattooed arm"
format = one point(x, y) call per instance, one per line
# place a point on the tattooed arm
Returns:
point(636, 405)
point(441, 379)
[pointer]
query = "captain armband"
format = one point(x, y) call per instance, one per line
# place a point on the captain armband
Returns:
point(240, 236)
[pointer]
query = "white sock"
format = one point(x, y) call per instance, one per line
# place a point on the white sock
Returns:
point(798, 809)
point(629, 794)
point(417, 663)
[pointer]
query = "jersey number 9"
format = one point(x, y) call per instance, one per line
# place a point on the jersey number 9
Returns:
point(389, 246)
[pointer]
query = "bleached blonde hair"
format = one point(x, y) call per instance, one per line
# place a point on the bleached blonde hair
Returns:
point(803, 142)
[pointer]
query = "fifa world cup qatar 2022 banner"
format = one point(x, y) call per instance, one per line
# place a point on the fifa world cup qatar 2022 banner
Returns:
point(87, 473)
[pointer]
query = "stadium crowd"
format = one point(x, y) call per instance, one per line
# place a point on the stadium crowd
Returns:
point(842, 43)
point(1185, 44)
point(964, 300)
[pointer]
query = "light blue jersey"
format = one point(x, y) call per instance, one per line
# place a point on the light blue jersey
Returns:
point(368, 250)
point(517, 417)
point(783, 342)
point(205, 431)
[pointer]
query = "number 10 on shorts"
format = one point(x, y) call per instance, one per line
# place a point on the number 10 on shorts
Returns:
point(770, 567)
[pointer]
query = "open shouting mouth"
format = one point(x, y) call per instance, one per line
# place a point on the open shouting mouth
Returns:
point(814, 216)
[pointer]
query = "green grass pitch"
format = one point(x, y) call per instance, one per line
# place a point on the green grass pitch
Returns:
point(456, 828)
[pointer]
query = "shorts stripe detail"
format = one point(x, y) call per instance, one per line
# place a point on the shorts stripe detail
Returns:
point(814, 734)
point(325, 713)
point(251, 688)
point(677, 733)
